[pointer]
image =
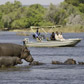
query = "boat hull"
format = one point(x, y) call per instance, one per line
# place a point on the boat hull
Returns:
point(64, 43)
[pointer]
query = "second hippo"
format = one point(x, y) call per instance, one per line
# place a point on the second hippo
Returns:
point(9, 61)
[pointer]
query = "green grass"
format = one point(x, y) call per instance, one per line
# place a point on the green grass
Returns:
point(68, 29)
point(65, 29)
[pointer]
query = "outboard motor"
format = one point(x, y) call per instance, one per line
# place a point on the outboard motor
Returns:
point(25, 41)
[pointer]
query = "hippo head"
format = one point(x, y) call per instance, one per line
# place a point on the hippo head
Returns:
point(18, 61)
point(25, 54)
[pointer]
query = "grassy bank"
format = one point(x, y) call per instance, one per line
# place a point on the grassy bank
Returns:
point(64, 29)
point(70, 29)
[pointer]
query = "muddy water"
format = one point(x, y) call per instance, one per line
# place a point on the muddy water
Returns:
point(47, 73)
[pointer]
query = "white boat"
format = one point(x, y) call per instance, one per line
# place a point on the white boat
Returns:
point(64, 43)
point(61, 43)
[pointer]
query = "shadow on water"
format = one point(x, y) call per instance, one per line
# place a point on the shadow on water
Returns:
point(16, 68)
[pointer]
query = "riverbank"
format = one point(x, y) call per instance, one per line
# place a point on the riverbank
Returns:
point(64, 29)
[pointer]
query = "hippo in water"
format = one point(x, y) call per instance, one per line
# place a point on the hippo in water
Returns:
point(36, 63)
point(15, 50)
point(9, 61)
point(56, 62)
point(70, 61)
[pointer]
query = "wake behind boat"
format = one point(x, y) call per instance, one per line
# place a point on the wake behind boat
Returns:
point(65, 43)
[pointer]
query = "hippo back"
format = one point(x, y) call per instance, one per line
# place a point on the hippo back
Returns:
point(10, 49)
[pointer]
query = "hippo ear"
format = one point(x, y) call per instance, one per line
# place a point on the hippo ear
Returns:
point(24, 48)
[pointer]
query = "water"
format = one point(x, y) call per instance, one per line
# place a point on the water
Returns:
point(47, 73)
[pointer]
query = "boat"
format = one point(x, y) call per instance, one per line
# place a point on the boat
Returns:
point(49, 43)
point(64, 43)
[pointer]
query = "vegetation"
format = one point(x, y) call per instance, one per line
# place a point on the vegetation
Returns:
point(16, 16)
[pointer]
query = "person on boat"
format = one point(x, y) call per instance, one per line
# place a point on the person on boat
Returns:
point(38, 37)
point(61, 36)
point(37, 33)
point(24, 42)
point(52, 37)
point(57, 36)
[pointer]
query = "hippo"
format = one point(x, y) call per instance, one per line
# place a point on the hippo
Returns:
point(81, 63)
point(56, 62)
point(36, 63)
point(9, 61)
point(70, 61)
point(15, 50)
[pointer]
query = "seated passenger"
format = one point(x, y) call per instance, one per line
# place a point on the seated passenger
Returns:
point(57, 36)
point(61, 37)
point(37, 33)
point(52, 37)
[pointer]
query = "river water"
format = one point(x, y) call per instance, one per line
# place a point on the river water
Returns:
point(47, 73)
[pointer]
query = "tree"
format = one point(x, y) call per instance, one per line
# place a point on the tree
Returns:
point(17, 4)
point(81, 8)
point(1, 23)
point(35, 14)
point(20, 23)
point(69, 8)
point(56, 15)
point(81, 1)
point(73, 2)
